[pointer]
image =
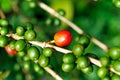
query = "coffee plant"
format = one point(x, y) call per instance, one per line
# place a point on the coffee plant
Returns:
point(40, 40)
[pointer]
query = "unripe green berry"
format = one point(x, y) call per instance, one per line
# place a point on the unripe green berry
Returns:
point(3, 41)
point(47, 51)
point(29, 35)
point(84, 40)
point(69, 58)
point(4, 30)
point(102, 72)
point(87, 70)
point(12, 45)
point(116, 65)
point(33, 53)
point(78, 50)
point(115, 77)
point(104, 61)
point(20, 31)
point(82, 62)
point(3, 22)
point(114, 53)
point(67, 67)
point(43, 61)
point(20, 45)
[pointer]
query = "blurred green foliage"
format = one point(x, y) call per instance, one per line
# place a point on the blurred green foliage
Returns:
point(98, 18)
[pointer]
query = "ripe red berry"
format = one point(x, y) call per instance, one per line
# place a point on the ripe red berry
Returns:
point(10, 51)
point(62, 38)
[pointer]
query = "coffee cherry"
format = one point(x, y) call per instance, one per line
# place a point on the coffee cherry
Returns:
point(20, 31)
point(78, 50)
point(56, 22)
point(116, 2)
point(43, 61)
point(114, 53)
point(38, 69)
point(62, 38)
point(67, 67)
point(116, 65)
point(4, 30)
point(12, 45)
point(26, 65)
point(3, 41)
point(87, 70)
point(82, 62)
point(68, 58)
point(47, 51)
point(3, 22)
point(21, 53)
point(115, 77)
point(49, 21)
point(28, 26)
point(29, 35)
point(10, 51)
point(104, 61)
point(84, 40)
point(106, 78)
point(61, 12)
point(33, 53)
point(20, 45)
point(102, 72)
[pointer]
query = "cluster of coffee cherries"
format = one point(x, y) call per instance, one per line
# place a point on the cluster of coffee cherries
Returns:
point(52, 21)
point(76, 59)
point(108, 61)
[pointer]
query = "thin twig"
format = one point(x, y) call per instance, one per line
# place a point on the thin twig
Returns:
point(97, 62)
point(65, 51)
point(50, 71)
point(72, 25)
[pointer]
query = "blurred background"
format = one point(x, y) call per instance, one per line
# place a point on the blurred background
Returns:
point(98, 18)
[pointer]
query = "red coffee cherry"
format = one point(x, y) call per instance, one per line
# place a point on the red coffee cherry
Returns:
point(10, 51)
point(62, 38)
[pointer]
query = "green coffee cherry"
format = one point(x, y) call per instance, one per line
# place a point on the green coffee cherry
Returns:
point(33, 53)
point(47, 51)
point(30, 35)
point(67, 67)
point(43, 61)
point(117, 3)
point(116, 65)
point(78, 50)
point(61, 12)
point(69, 58)
point(106, 78)
point(87, 70)
point(20, 45)
point(21, 53)
point(102, 72)
point(28, 26)
point(114, 53)
point(20, 31)
point(12, 45)
point(26, 65)
point(3, 22)
point(84, 40)
point(56, 22)
point(3, 41)
point(38, 69)
point(115, 77)
point(82, 62)
point(105, 61)
point(4, 30)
